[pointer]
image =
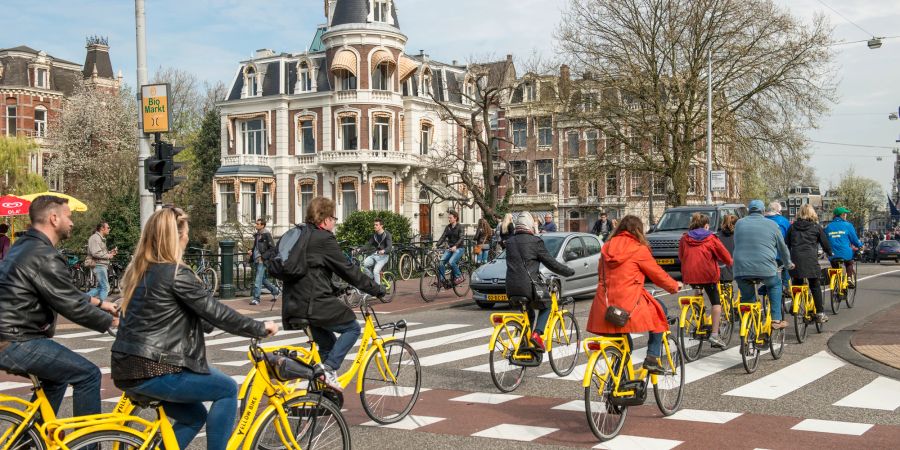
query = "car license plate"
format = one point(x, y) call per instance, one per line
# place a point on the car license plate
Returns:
point(665, 261)
point(496, 297)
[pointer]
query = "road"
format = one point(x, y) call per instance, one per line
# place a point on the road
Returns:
point(807, 399)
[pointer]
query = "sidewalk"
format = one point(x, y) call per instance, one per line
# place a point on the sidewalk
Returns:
point(879, 338)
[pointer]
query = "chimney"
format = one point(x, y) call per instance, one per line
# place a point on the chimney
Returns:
point(509, 57)
point(565, 81)
point(587, 76)
point(455, 63)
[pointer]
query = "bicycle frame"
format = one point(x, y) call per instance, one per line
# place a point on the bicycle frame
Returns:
point(686, 303)
point(501, 319)
point(596, 347)
point(801, 294)
point(838, 280)
point(753, 312)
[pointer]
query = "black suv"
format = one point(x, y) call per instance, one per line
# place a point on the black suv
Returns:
point(664, 237)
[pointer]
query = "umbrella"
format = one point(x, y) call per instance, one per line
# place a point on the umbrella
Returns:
point(74, 203)
point(10, 205)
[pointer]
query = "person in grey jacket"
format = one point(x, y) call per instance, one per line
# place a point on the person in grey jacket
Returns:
point(101, 256)
point(758, 243)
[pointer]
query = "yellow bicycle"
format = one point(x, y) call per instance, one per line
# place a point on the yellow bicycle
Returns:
point(291, 420)
point(730, 300)
point(757, 333)
point(804, 310)
point(695, 324)
point(611, 384)
point(839, 282)
point(511, 352)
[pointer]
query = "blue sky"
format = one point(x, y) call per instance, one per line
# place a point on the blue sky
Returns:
point(209, 37)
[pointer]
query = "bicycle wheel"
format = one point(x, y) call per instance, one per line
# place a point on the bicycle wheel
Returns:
point(835, 300)
point(107, 439)
point(726, 326)
point(391, 382)
point(462, 289)
point(605, 419)
point(29, 439)
point(749, 350)
point(800, 324)
point(209, 278)
point(506, 376)
point(390, 286)
point(776, 343)
point(851, 291)
point(405, 266)
point(315, 423)
point(687, 335)
point(566, 340)
point(429, 285)
point(669, 387)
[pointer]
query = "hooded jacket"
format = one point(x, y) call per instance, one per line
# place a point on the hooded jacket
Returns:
point(624, 267)
point(700, 253)
point(803, 239)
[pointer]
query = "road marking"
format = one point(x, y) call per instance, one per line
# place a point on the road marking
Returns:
point(419, 332)
point(453, 339)
point(832, 426)
point(77, 335)
point(699, 415)
point(239, 363)
point(625, 441)
point(103, 339)
point(486, 398)
point(574, 405)
point(88, 350)
point(408, 423)
point(455, 355)
point(395, 391)
point(882, 393)
point(281, 343)
point(790, 378)
point(511, 432)
point(711, 364)
point(7, 385)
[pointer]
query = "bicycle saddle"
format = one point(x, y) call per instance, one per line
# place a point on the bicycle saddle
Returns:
point(141, 400)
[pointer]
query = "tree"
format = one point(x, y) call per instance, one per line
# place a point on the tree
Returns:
point(357, 228)
point(14, 175)
point(863, 196)
point(645, 89)
point(202, 157)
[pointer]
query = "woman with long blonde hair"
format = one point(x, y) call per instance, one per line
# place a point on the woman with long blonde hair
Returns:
point(804, 237)
point(159, 351)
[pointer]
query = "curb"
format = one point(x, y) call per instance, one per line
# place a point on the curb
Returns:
point(839, 344)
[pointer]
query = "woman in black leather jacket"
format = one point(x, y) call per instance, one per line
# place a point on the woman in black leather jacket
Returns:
point(159, 350)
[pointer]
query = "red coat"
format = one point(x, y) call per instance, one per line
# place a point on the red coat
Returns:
point(700, 258)
point(627, 264)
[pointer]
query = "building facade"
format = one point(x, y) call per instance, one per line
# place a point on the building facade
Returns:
point(803, 195)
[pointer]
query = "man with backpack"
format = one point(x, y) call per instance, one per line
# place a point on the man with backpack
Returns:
point(262, 242)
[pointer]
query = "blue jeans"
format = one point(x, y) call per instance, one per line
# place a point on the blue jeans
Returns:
point(182, 395)
point(772, 285)
point(56, 367)
point(483, 256)
point(542, 316)
point(377, 261)
point(453, 259)
point(333, 351)
point(102, 289)
point(262, 281)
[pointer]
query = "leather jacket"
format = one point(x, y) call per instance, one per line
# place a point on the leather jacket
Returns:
point(162, 321)
point(35, 285)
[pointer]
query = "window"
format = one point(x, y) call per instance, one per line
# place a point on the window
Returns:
point(348, 198)
point(592, 189)
point(348, 132)
point(40, 79)
point(307, 137)
point(692, 180)
point(467, 148)
point(381, 77)
point(381, 11)
point(305, 78)
point(545, 132)
point(306, 196)
point(659, 184)
point(40, 122)
point(382, 196)
point(591, 245)
point(612, 184)
point(425, 141)
point(637, 183)
point(264, 202)
point(227, 202)
point(426, 84)
point(591, 137)
point(545, 176)
point(793, 212)
point(573, 184)
point(573, 144)
point(574, 250)
point(248, 202)
point(381, 133)
point(11, 120)
point(519, 171)
point(529, 92)
point(253, 136)
point(346, 80)
point(520, 133)
point(252, 83)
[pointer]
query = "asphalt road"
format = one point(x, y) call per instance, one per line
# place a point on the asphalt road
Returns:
point(723, 405)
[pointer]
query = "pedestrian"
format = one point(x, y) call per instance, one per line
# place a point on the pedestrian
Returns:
point(483, 237)
point(262, 242)
point(700, 253)
point(505, 230)
point(549, 225)
point(603, 227)
point(100, 257)
point(803, 239)
point(4, 240)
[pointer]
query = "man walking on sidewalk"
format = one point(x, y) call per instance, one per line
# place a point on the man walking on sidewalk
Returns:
point(262, 241)
point(101, 257)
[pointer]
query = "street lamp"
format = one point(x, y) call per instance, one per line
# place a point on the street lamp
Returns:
point(874, 43)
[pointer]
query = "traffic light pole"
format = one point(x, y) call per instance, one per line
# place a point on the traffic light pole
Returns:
point(143, 141)
point(157, 194)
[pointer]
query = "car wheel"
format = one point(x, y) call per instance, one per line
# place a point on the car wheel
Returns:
point(485, 305)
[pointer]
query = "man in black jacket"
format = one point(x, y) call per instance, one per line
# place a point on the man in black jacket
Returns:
point(603, 226)
point(453, 237)
point(34, 286)
point(313, 298)
point(262, 241)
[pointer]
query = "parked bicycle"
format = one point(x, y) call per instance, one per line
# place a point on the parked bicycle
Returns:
point(205, 271)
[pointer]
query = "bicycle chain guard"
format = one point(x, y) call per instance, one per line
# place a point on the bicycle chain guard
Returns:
point(640, 393)
point(526, 357)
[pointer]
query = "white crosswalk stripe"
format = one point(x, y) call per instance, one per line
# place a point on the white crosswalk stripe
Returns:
point(882, 393)
point(790, 378)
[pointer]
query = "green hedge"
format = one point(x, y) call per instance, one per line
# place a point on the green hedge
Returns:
point(358, 228)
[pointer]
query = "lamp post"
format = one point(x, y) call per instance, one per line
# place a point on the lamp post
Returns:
point(709, 128)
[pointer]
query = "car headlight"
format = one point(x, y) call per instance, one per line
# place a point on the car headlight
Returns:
point(475, 277)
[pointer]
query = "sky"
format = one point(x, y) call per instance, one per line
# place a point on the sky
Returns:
point(209, 37)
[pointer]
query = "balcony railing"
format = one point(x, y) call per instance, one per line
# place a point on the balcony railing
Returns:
point(532, 199)
point(346, 95)
point(369, 156)
point(245, 160)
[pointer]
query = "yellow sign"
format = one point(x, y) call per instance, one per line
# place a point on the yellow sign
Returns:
point(155, 112)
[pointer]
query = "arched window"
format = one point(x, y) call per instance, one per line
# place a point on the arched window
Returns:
point(346, 80)
point(381, 77)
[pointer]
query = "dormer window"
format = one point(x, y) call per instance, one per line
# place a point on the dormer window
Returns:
point(529, 92)
point(381, 10)
point(252, 82)
point(305, 78)
point(41, 78)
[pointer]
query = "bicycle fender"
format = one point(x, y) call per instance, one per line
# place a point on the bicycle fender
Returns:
point(548, 343)
point(366, 358)
point(79, 432)
point(589, 369)
point(745, 319)
point(14, 411)
point(684, 313)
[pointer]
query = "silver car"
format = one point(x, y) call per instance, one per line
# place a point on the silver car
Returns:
point(580, 251)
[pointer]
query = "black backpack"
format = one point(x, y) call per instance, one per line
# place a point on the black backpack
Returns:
point(287, 260)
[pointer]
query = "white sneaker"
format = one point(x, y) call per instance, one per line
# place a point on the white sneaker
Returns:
point(329, 377)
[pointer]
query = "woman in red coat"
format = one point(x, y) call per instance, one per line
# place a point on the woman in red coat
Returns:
point(624, 267)
point(701, 252)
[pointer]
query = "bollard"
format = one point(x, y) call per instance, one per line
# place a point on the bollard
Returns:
point(226, 288)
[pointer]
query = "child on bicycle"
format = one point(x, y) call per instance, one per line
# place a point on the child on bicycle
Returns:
point(701, 252)
point(625, 265)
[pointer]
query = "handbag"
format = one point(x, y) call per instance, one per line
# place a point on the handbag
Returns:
point(90, 262)
point(477, 249)
point(539, 288)
point(614, 315)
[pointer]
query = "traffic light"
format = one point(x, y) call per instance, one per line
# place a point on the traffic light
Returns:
point(155, 174)
point(159, 169)
point(167, 153)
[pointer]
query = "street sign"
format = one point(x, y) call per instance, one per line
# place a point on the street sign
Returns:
point(155, 112)
point(717, 181)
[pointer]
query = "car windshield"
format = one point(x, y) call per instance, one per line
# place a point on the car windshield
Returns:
point(681, 220)
point(891, 244)
point(551, 242)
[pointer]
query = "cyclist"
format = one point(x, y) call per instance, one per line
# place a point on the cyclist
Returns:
point(505, 229)
point(726, 235)
point(312, 298)
point(453, 237)
point(159, 351)
point(525, 253)
point(625, 265)
point(381, 243)
point(773, 213)
point(34, 286)
point(483, 237)
point(803, 239)
point(700, 253)
point(844, 242)
point(603, 227)
point(757, 245)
